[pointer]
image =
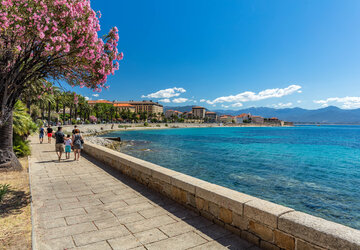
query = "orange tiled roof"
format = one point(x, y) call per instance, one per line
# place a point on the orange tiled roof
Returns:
point(198, 107)
point(123, 105)
point(210, 112)
point(98, 101)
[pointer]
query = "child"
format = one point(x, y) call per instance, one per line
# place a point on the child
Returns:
point(68, 142)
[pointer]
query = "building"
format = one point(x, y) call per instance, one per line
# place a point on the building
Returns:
point(211, 116)
point(198, 112)
point(273, 121)
point(257, 119)
point(93, 102)
point(226, 119)
point(124, 107)
point(242, 118)
point(170, 113)
point(145, 106)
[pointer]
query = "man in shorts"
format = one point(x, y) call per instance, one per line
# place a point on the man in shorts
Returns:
point(41, 134)
point(59, 144)
point(49, 131)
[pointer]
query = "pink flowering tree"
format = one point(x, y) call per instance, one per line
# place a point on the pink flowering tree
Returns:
point(55, 40)
point(93, 119)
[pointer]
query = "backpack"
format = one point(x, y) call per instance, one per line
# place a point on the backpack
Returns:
point(77, 140)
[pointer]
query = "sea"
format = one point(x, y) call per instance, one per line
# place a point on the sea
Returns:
point(313, 169)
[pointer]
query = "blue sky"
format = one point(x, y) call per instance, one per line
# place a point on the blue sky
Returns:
point(235, 53)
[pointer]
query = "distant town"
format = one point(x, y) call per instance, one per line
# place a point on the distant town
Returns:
point(154, 112)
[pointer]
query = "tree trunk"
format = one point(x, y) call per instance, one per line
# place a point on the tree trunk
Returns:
point(8, 159)
point(49, 113)
point(64, 113)
point(28, 106)
point(75, 112)
point(42, 111)
point(70, 113)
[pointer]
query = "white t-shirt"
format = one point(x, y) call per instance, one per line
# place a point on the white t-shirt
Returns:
point(68, 142)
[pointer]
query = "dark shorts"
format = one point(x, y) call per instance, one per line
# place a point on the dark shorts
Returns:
point(41, 135)
point(77, 146)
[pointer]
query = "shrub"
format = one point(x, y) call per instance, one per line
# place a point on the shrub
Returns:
point(78, 122)
point(146, 124)
point(73, 121)
point(158, 125)
point(21, 147)
point(4, 188)
point(87, 122)
point(166, 125)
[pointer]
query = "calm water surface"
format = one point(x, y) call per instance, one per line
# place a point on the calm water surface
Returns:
point(311, 169)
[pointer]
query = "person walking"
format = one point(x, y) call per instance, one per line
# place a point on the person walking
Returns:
point(59, 144)
point(77, 143)
point(68, 143)
point(75, 127)
point(49, 131)
point(41, 134)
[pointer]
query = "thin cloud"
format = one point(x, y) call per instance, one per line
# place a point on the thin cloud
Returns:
point(166, 100)
point(282, 105)
point(236, 105)
point(95, 95)
point(179, 100)
point(251, 96)
point(348, 102)
point(166, 93)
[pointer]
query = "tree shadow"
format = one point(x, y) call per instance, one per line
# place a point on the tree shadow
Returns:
point(13, 202)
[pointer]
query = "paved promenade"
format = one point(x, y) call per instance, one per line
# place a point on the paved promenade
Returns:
point(86, 205)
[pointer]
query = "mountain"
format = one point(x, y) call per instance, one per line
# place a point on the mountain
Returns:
point(329, 114)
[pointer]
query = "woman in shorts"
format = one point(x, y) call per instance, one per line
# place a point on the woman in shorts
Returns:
point(77, 142)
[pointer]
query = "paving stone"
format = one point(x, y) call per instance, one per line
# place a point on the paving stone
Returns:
point(63, 213)
point(128, 218)
point(100, 235)
point(123, 243)
point(183, 241)
point(199, 222)
point(150, 236)
point(132, 209)
point(153, 212)
point(147, 224)
point(105, 223)
point(69, 230)
point(52, 223)
point(213, 232)
point(103, 245)
point(177, 228)
point(56, 244)
point(88, 217)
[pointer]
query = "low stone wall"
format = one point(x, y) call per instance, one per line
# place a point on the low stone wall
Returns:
point(266, 224)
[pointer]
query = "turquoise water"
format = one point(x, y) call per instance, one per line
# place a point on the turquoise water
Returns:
point(311, 169)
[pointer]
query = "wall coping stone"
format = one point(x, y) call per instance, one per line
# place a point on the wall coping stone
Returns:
point(319, 231)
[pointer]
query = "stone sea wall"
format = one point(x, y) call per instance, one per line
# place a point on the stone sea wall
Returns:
point(266, 224)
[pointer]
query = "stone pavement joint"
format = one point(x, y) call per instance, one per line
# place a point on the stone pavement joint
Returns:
point(87, 205)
